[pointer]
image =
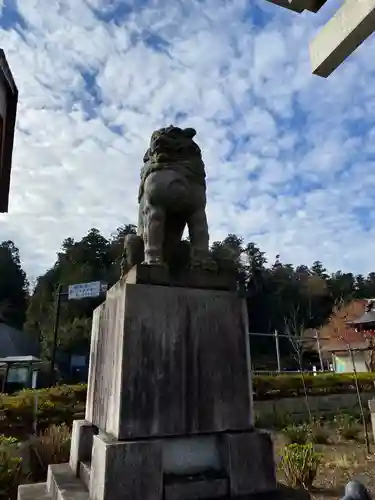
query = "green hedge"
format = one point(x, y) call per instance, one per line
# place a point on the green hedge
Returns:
point(55, 406)
point(63, 403)
point(287, 385)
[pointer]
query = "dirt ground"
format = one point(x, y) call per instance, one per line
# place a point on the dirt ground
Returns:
point(342, 462)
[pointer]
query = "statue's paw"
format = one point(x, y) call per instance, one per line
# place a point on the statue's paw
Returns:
point(155, 262)
point(133, 253)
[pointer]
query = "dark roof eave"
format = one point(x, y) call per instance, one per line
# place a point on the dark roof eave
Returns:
point(366, 319)
point(343, 350)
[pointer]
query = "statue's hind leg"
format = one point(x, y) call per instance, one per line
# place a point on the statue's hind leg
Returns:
point(153, 235)
point(199, 239)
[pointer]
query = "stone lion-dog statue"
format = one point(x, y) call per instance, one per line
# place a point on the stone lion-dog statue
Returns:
point(172, 195)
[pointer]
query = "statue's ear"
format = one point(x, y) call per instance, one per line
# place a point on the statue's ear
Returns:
point(189, 132)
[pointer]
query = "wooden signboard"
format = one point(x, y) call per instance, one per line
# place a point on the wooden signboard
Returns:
point(8, 110)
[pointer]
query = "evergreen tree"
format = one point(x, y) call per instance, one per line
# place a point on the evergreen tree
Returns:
point(13, 286)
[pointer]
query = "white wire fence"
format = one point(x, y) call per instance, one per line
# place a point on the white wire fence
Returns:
point(274, 361)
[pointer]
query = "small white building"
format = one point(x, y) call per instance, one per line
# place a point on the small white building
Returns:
point(342, 361)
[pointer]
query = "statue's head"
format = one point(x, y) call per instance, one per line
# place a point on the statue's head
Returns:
point(189, 132)
point(168, 141)
point(175, 132)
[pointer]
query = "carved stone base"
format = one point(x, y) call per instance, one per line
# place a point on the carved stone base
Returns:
point(249, 463)
point(189, 278)
point(206, 467)
point(81, 444)
point(128, 470)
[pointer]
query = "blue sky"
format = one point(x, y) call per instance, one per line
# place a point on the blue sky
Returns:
point(290, 157)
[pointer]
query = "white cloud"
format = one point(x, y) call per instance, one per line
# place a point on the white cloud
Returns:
point(290, 157)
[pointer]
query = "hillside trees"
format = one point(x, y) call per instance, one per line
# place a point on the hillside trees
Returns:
point(93, 258)
point(277, 293)
point(13, 286)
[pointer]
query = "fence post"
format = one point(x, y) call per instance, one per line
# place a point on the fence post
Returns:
point(55, 334)
point(277, 351)
point(364, 423)
point(35, 415)
point(319, 350)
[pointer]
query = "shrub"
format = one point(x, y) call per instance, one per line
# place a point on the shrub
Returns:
point(347, 426)
point(273, 420)
point(55, 406)
point(7, 440)
point(300, 463)
point(319, 434)
point(51, 447)
point(307, 433)
point(298, 434)
point(10, 467)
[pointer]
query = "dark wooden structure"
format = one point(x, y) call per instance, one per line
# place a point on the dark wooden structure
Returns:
point(366, 322)
point(31, 363)
point(8, 110)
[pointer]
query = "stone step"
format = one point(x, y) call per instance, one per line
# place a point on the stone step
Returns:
point(84, 473)
point(196, 488)
point(62, 484)
point(33, 492)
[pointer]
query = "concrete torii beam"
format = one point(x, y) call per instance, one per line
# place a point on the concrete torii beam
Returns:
point(300, 5)
point(352, 24)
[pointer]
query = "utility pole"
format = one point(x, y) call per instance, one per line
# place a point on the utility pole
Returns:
point(77, 291)
point(55, 333)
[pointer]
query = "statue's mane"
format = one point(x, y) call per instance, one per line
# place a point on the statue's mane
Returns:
point(172, 143)
point(173, 148)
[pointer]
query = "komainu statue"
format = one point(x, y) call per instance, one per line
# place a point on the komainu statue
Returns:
point(172, 194)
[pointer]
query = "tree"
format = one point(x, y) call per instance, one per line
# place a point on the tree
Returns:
point(273, 291)
point(359, 286)
point(319, 270)
point(336, 327)
point(342, 286)
point(13, 286)
point(294, 330)
point(369, 286)
point(90, 259)
point(228, 253)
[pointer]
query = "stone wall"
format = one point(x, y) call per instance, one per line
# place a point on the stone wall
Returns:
point(325, 404)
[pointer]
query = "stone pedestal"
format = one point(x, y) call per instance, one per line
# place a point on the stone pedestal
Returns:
point(169, 405)
point(168, 361)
